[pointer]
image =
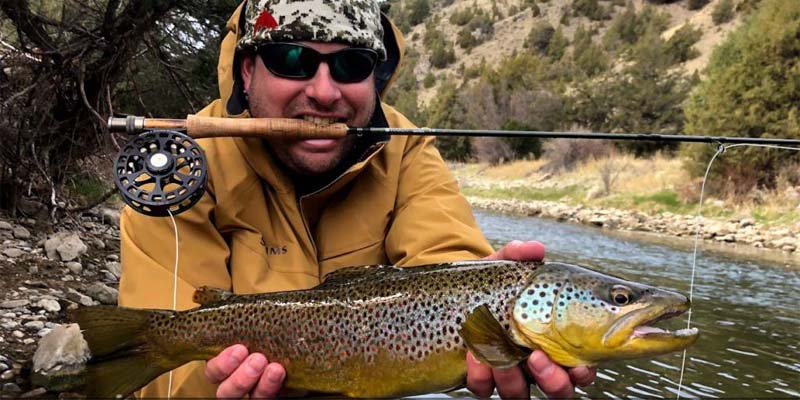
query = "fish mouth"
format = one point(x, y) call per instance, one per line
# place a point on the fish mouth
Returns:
point(647, 330)
point(637, 332)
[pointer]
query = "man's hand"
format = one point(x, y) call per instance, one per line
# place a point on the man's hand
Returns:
point(240, 373)
point(553, 379)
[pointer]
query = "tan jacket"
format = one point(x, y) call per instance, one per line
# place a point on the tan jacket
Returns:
point(250, 233)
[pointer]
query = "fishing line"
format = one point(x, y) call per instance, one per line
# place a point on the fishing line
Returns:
point(698, 229)
point(174, 290)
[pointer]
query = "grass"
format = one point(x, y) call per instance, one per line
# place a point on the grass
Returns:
point(569, 194)
point(88, 188)
point(654, 185)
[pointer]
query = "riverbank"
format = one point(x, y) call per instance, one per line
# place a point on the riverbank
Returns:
point(47, 271)
point(653, 195)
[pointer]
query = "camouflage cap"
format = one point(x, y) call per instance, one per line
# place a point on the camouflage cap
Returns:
point(353, 22)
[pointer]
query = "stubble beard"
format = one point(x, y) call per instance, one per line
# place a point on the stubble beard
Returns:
point(309, 165)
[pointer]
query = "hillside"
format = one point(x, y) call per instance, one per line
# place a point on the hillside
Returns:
point(511, 31)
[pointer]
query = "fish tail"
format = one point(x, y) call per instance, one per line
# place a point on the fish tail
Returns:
point(124, 357)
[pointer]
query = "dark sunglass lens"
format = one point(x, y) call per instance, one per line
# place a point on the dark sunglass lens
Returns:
point(290, 61)
point(351, 66)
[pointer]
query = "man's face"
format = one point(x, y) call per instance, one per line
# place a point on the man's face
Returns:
point(320, 99)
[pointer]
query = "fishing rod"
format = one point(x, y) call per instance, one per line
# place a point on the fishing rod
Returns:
point(199, 127)
point(162, 170)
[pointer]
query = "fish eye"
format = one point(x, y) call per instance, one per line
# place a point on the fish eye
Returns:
point(621, 295)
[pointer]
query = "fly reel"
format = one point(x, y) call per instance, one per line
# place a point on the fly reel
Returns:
point(161, 172)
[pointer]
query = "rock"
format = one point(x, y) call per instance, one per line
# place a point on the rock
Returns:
point(115, 268)
point(110, 217)
point(35, 393)
point(103, 293)
point(11, 387)
point(60, 359)
point(14, 303)
point(745, 222)
point(112, 257)
point(598, 220)
point(785, 244)
point(6, 375)
point(49, 305)
point(5, 226)
point(13, 252)
point(64, 246)
point(33, 269)
point(98, 243)
point(75, 267)
point(18, 334)
point(79, 298)
point(29, 341)
point(22, 233)
point(34, 325)
point(9, 324)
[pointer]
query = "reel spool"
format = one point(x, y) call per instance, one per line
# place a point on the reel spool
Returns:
point(161, 171)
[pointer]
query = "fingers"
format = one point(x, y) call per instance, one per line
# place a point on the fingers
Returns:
point(479, 377)
point(520, 251)
point(270, 383)
point(582, 376)
point(243, 379)
point(481, 380)
point(554, 380)
point(511, 383)
point(222, 366)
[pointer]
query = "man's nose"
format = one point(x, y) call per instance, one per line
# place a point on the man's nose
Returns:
point(322, 87)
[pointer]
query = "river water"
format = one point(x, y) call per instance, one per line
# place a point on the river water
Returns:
point(748, 313)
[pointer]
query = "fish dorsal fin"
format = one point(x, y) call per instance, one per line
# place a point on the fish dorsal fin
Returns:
point(356, 274)
point(488, 341)
point(205, 295)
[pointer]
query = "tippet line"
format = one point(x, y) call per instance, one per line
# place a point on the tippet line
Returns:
point(698, 220)
point(174, 290)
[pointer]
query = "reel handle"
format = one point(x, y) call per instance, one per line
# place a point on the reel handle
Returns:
point(205, 127)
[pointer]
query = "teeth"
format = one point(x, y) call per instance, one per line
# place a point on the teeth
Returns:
point(686, 332)
point(319, 120)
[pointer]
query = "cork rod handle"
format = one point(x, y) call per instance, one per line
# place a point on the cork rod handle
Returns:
point(204, 127)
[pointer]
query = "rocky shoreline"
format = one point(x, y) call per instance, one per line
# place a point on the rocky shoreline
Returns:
point(745, 231)
point(45, 274)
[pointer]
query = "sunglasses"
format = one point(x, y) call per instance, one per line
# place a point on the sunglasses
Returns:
point(295, 61)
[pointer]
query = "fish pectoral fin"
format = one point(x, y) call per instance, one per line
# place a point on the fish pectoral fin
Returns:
point(488, 341)
point(205, 295)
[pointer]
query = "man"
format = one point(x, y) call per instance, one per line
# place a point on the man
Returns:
point(280, 214)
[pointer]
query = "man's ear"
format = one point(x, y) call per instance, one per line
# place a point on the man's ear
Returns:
point(247, 69)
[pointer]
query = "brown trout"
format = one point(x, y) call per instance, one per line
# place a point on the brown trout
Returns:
point(384, 331)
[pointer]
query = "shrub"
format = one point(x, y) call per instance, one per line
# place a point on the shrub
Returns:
point(566, 154)
point(679, 46)
point(750, 91)
point(591, 9)
point(697, 4)
point(462, 17)
point(722, 12)
point(540, 36)
point(558, 45)
point(442, 55)
point(429, 80)
point(492, 150)
point(418, 11)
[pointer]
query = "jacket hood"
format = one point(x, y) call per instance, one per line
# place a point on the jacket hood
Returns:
point(231, 87)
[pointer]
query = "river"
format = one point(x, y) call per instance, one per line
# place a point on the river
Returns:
point(748, 312)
